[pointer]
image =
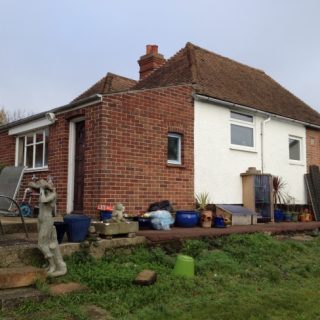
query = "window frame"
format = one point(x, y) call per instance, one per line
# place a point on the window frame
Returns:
point(33, 144)
point(246, 124)
point(179, 137)
point(300, 139)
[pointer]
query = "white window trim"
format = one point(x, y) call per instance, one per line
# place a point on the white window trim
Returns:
point(247, 124)
point(34, 143)
point(30, 126)
point(292, 161)
point(176, 135)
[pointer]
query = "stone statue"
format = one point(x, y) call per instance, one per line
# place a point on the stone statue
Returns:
point(117, 213)
point(47, 234)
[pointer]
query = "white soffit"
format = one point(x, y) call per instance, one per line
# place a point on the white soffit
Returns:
point(29, 126)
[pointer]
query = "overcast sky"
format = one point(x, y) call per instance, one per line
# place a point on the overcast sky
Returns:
point(51, 51)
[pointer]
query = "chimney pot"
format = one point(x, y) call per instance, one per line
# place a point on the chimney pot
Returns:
point(151, 61)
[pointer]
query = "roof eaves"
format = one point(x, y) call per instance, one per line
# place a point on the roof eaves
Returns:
point(89, 100)
point(218, 101)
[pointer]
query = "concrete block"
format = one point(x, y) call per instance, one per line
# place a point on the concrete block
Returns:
point(146, 277)
point(109, 229)
point(20, 276)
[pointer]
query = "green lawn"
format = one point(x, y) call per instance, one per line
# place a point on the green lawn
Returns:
point(237, 277)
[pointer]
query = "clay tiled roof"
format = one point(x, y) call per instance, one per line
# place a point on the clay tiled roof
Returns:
point(111, 83)
point(222, 78)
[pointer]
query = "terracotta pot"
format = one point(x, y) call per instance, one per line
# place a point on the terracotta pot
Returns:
point(302, 217)
point(206, 219)
point(308, 217)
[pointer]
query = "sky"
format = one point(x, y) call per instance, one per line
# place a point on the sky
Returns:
point(53, 50)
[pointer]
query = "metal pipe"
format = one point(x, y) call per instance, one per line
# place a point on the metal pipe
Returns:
point(263, 123)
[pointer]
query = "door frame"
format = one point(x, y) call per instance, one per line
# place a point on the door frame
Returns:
point(71, 162)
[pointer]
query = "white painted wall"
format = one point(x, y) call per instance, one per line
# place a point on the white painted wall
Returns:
point(218, 166)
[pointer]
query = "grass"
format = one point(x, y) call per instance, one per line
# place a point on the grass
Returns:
point(237, 277)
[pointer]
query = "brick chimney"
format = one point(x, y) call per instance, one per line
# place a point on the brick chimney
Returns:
point(151, 61)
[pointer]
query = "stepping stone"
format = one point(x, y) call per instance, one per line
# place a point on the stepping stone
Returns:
point(20, 276)
point(12, 298)
point(65, 288)
point(146, 277)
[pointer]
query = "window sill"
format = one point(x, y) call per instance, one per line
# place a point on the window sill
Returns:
point(239, 148)
point(296, 163)
point(175, 165)
point(37, 169)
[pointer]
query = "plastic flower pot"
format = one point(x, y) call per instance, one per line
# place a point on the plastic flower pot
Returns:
point(288, 216)
point(219, 222)
point(278, 215)
point(61, 228)
point(184, 266)
point(105, 215)
point(144, 223)
point(77, 227)
point(187, 219)
point(295, 216)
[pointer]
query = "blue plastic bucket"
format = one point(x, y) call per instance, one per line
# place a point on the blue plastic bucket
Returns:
point(77, 227)
point(105, 215)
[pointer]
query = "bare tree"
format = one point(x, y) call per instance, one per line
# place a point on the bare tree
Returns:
point(7, 116)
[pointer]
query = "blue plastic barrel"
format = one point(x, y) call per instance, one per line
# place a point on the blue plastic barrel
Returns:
point(77, 227)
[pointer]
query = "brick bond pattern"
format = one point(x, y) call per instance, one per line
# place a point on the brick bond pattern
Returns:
point(126, 150)
point(313, 147)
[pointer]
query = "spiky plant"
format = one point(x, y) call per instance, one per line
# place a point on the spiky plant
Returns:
point(202, 200)
point(279, 194)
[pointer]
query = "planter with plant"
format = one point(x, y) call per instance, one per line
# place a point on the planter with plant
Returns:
point(202, 202)
point(279, 197)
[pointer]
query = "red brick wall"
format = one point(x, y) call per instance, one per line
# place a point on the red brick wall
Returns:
point(126, 151)
point(137, 125)
point(58, 156)
point(313, 147)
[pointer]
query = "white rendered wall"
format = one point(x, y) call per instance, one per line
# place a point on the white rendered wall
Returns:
point(218, 166)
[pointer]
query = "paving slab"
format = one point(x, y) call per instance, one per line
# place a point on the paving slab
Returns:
point(12, 298)
point(58, 289)
point(20, 276)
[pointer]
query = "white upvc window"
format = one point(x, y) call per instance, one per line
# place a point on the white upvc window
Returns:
point(174, 148)
point(242, 131)
point(295, 149)
point(32, 149)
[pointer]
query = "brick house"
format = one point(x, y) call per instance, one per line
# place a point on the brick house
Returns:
point(191, 123)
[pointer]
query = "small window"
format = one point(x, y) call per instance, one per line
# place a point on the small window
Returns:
point(242, 117)
point(174, 148)
point(295, 148)
point(32, 150)
point(242, 130)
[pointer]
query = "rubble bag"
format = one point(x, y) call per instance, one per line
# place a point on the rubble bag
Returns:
point(161, 219)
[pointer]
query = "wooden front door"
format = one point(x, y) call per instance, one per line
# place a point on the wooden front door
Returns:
point(79, 168)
